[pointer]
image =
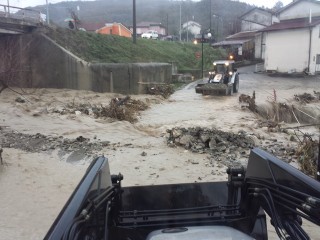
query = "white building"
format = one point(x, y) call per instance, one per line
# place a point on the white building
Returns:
point(256, 19)
point(192, 26)
point(293, 44)
point(248, 43)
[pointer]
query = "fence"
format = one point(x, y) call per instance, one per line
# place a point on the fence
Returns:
point(24, 14)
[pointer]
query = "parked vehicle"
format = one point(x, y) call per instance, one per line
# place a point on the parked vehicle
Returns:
point(223, 79)
point(170, 38)
point(100, 208)
point(151, 34)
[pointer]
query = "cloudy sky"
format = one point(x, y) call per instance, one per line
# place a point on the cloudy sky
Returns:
point(26, 3)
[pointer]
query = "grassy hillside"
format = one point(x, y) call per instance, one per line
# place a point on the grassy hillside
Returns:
point(114, 49)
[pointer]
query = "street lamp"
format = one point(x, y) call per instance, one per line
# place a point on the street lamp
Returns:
point(202, 40)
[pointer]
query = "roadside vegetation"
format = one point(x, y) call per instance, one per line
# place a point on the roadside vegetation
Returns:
point(94, 47)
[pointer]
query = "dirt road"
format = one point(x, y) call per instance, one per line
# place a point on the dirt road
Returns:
point(37, 184)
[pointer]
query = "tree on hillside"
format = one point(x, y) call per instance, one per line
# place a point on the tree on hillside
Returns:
point(165, 11)
point(277, 6)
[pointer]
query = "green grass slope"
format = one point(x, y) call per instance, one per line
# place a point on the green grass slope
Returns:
point(94, 47)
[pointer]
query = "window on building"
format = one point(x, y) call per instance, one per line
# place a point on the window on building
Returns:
point(318, 63)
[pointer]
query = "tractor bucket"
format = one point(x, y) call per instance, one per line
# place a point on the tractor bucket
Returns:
point(214, 89)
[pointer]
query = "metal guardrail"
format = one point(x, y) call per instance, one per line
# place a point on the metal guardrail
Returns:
point(24, 14)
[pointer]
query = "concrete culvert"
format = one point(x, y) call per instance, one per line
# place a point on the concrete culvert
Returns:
point(282, 112)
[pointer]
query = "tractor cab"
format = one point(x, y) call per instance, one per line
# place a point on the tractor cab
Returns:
point(222, 71)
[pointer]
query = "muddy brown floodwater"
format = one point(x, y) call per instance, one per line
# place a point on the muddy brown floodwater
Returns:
point(35, 185)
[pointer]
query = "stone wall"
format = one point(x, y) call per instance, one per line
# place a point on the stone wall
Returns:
point(52, 66)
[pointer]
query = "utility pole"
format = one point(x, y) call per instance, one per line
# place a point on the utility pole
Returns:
point(134, 37)
point(167, 24)
point(180, 22)
point(8, 7)
point(210, 14)
point(47, 17)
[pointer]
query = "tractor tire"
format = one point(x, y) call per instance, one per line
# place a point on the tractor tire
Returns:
point(236, 85)
point(230, 90)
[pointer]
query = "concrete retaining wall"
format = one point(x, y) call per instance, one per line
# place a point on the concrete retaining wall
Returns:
point(52, 66)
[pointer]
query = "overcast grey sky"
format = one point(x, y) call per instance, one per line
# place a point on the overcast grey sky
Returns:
point(26, 3)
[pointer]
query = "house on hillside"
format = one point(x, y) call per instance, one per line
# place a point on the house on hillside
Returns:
point(91, 27)
point(115, 29)
point(143, 27)
point(256, 19)
point(293, 44)
point(247, 44)
point(192, 27)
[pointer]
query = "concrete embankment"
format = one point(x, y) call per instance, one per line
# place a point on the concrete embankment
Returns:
point(43, 63)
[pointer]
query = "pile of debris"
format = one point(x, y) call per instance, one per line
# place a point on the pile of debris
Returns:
point(220, 145)
point(165, 90)
point(307, 97)
point(307, 153)
point(248, 102)
point(123, 109)
point(80, 146)
point(228, 148)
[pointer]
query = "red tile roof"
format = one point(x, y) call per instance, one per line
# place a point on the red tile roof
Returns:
point(91, 27)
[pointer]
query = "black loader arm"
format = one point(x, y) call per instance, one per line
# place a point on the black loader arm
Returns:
point(88, 205)
point(285, 193)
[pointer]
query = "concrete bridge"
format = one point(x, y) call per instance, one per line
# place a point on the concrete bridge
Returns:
point(14, 20)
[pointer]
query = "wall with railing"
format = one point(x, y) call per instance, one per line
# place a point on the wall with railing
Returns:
point(23, 14)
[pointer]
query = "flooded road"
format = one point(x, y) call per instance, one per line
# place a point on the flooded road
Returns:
point(44, 180)
point(186, 108)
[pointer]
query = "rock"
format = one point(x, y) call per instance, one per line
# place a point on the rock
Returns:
point(222, 148)
point(176, 133)
point(218, 139)
point(194, 162)
point(20, 100)
point(81, 139)
point(186, 139)
point(255, 140)
point(77, 113)
point(212, 143)
point(143, 154)
point(204, 138)
point(200, 146)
